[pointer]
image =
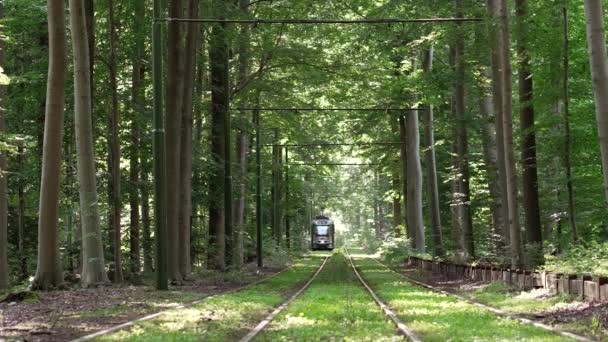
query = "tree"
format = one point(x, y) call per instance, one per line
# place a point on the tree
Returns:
point(114, 197)
point(218, 213)
point(185, 220)
point(596, 43)
point(93, 270)
point(173, 125)
point(463, 200)
point(414, 184)
point(48, 271)
point(431, 165)
point(4, 274)
point(528, 138)
point(138, 106)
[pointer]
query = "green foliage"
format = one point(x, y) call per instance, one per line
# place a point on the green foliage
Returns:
point(591, 258)
point(396, 250)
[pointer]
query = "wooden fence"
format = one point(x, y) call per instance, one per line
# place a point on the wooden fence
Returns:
point(589, 287)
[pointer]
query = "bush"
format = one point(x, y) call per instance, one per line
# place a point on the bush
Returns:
point(592, 258)
point(395, 250)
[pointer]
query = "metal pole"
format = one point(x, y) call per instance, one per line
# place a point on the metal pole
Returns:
point(258, 195)
point(287, 228)
point(160, 180)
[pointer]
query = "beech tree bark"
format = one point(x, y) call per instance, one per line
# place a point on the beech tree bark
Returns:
point(507, 122)
point(185, 222)
point(4, 274)
point(596, 43)
point(241, 143)
point(431, 165)
point(409, 228)
point(137, 99)
point(461, 139)
point(93, 270)
point(414, 184)
point(114, 197)
point(173, 125)
point(396, 181)
point(48, 270)
point(528, 138)
point(218, 60)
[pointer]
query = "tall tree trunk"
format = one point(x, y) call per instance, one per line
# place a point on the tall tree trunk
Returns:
point(409, 228)
point(241, 144)
point(596, 42)
point(276, 190)
point(414, 184)
point(507, 121)
point(218, 53)
point(397, 219)
point(114, 198)
point(93, 271)
point(4, 274)
point(464, 198)
point(48, 271)
point(528, 139)
point(431, 165)
point(185, 221)
point(567, 140)
point(23, 274)
point(497, 94)
point(137, 99)
point(146, 220)
point(173, 124)
point(490, 153)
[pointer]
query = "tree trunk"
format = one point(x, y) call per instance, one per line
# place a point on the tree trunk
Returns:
point(218, 53)
point(490, 153)
point(93, 271)
point(147, 223)
point(528, 139)
point(4, 274)
point(507, 121)
point(276, 190)
point(396, 182)
point(596, 42)
point(431, 166)
point(461, 139)
point(497, 94)
point(414, 184)
point(409, 227)
point(48, 271)
point(567, 140)
point(185, 222)
point(114, 198)
point(138, 103)
point(241, 144)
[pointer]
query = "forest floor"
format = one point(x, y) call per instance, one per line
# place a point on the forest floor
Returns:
point(567, 312)
point(69, 314)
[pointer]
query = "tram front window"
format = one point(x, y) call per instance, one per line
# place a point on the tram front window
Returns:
point(322, 230)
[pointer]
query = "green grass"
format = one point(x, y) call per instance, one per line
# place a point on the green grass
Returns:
point(500, 296)
point(334, 308)
point(223, 318)
point(437, 317)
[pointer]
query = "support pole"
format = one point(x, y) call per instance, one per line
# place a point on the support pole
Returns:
point(160, 180)
point(287, 228)
point(258, 190)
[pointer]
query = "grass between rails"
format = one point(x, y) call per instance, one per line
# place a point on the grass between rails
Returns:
point(334, 308)
point(223, 318)
point(437, 317)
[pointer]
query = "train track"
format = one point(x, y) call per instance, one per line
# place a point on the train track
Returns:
point(263, 324)
point(401, 327)
point(182, 306)
point(492, 309)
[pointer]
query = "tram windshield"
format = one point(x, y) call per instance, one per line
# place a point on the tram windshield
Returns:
point(322, 230)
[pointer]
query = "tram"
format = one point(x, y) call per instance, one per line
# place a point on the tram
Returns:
point(322, 234)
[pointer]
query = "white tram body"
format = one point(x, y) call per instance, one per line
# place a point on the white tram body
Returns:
point(322, 234)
